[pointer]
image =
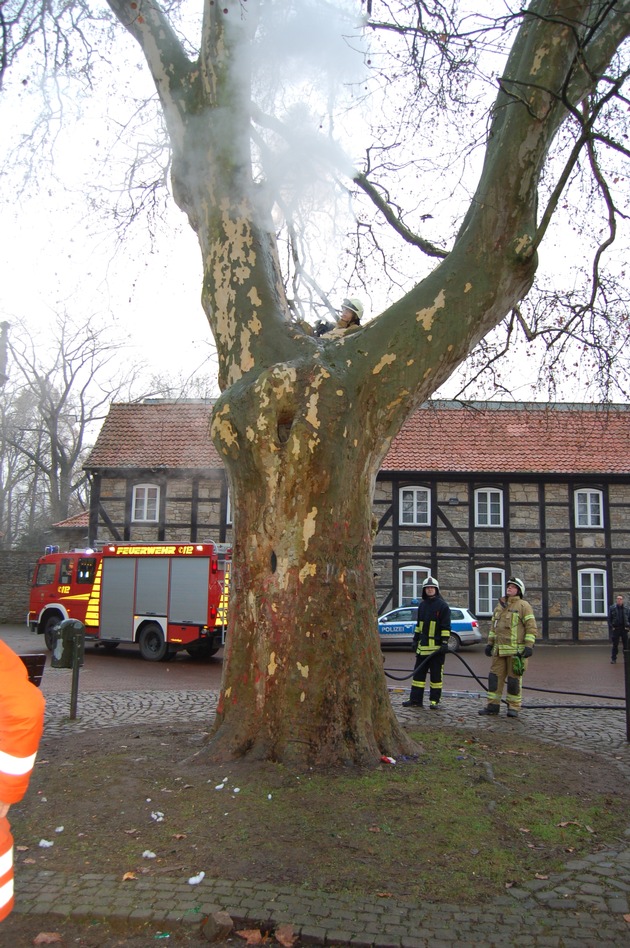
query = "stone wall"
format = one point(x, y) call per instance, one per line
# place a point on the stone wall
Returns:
point(16, 570)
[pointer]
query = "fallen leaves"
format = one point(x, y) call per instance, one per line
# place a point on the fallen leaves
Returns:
point(589, 829)
point(252, 936)
point(285, 936)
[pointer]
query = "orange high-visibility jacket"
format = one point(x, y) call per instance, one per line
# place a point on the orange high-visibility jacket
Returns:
point(21, 725)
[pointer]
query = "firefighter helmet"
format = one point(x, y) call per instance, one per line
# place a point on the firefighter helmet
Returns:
point(355, 306)
point(430, 581)
point(520, 585)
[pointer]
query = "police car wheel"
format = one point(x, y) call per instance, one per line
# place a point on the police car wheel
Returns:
point(454, 642)
point(153, 647)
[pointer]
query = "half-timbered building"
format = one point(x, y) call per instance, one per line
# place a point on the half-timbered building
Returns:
point(471, 493)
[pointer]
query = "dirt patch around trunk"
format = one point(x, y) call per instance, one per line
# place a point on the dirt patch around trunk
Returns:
point(479, 812)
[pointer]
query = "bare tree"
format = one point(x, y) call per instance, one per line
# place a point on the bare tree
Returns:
point(56, 397)
point(302, 423)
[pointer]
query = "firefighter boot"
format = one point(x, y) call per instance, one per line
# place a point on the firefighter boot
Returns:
point(412, 704)
point(489, 709)
point(512, 713)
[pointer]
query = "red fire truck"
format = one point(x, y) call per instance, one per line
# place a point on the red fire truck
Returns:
point(165, 597)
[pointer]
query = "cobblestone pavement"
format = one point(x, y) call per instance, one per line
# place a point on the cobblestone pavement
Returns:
point(587, 903)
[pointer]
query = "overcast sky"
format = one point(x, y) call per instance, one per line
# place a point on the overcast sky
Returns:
point(59, 253)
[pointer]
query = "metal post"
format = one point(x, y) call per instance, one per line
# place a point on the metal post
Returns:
point(626, 666)
point(76, 663)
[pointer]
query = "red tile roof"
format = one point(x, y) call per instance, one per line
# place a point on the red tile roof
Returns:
point(504, 438)
point(78, 520)
point(168, 435)
point(445, 437)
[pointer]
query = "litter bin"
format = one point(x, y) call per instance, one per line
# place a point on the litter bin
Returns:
point(69, 639)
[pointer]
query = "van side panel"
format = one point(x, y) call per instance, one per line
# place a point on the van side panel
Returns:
point(152, 585)
point(117, 598)
point(189, 590)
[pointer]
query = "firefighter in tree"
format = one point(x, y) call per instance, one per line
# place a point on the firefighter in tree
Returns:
point(510, 643)
point(21, 725)
point(431, 644)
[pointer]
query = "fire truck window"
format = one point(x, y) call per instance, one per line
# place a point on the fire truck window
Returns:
point(65, 572)
point(45, 574)
point(85, 571)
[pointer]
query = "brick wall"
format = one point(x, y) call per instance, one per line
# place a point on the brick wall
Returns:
point(16, 569)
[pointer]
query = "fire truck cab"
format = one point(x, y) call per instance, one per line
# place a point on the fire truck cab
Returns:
point(164, 597)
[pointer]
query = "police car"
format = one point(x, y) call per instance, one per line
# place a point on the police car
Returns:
point(397, 627)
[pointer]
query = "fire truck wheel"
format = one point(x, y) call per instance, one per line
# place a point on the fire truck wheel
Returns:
point(49, 636)
point(153, 647)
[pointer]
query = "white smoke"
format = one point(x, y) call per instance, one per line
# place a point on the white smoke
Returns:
point(306, 61)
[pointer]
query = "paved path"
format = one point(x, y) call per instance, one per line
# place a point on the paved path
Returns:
point(584, 904)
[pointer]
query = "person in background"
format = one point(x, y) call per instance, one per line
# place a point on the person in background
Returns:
point(510, 643)
point(431, 639)
point(618, 624)
point(21, 726)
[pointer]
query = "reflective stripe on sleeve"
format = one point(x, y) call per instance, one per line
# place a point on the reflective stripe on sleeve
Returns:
point(6, 861)
point(16, 766)
point(6, 898)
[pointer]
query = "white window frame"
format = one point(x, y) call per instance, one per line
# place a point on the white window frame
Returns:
point(419, 574)
point(590, 522)
point(228, 509)
point(587, 584)
point(141, 503)
point(490, 518)
point(417, 492)
point(491, 589)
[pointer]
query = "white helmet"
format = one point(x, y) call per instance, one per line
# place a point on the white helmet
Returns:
point(520, 585)
point(355, 305)
point(430, 581)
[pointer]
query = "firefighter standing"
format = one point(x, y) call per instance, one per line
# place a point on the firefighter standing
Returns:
point(21, 725)
point(510, 643)
point(431, 639)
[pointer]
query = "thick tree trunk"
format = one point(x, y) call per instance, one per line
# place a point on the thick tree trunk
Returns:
point(303, 672)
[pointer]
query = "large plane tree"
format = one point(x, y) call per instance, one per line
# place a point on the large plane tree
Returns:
point(303, 423)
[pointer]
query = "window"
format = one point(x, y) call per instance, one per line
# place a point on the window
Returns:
point(489, 585)
point(411, 579)
point(593, 594)
point(45, 574)
point(65, 572)
point(589, 508)
point(488, 508)
point(228, 508)
point(415, 506)
point(86, 568)
point(145, 503)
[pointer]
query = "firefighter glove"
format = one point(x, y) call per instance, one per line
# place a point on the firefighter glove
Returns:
point(444, 647)
point(528, 652)
point(488, 649)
